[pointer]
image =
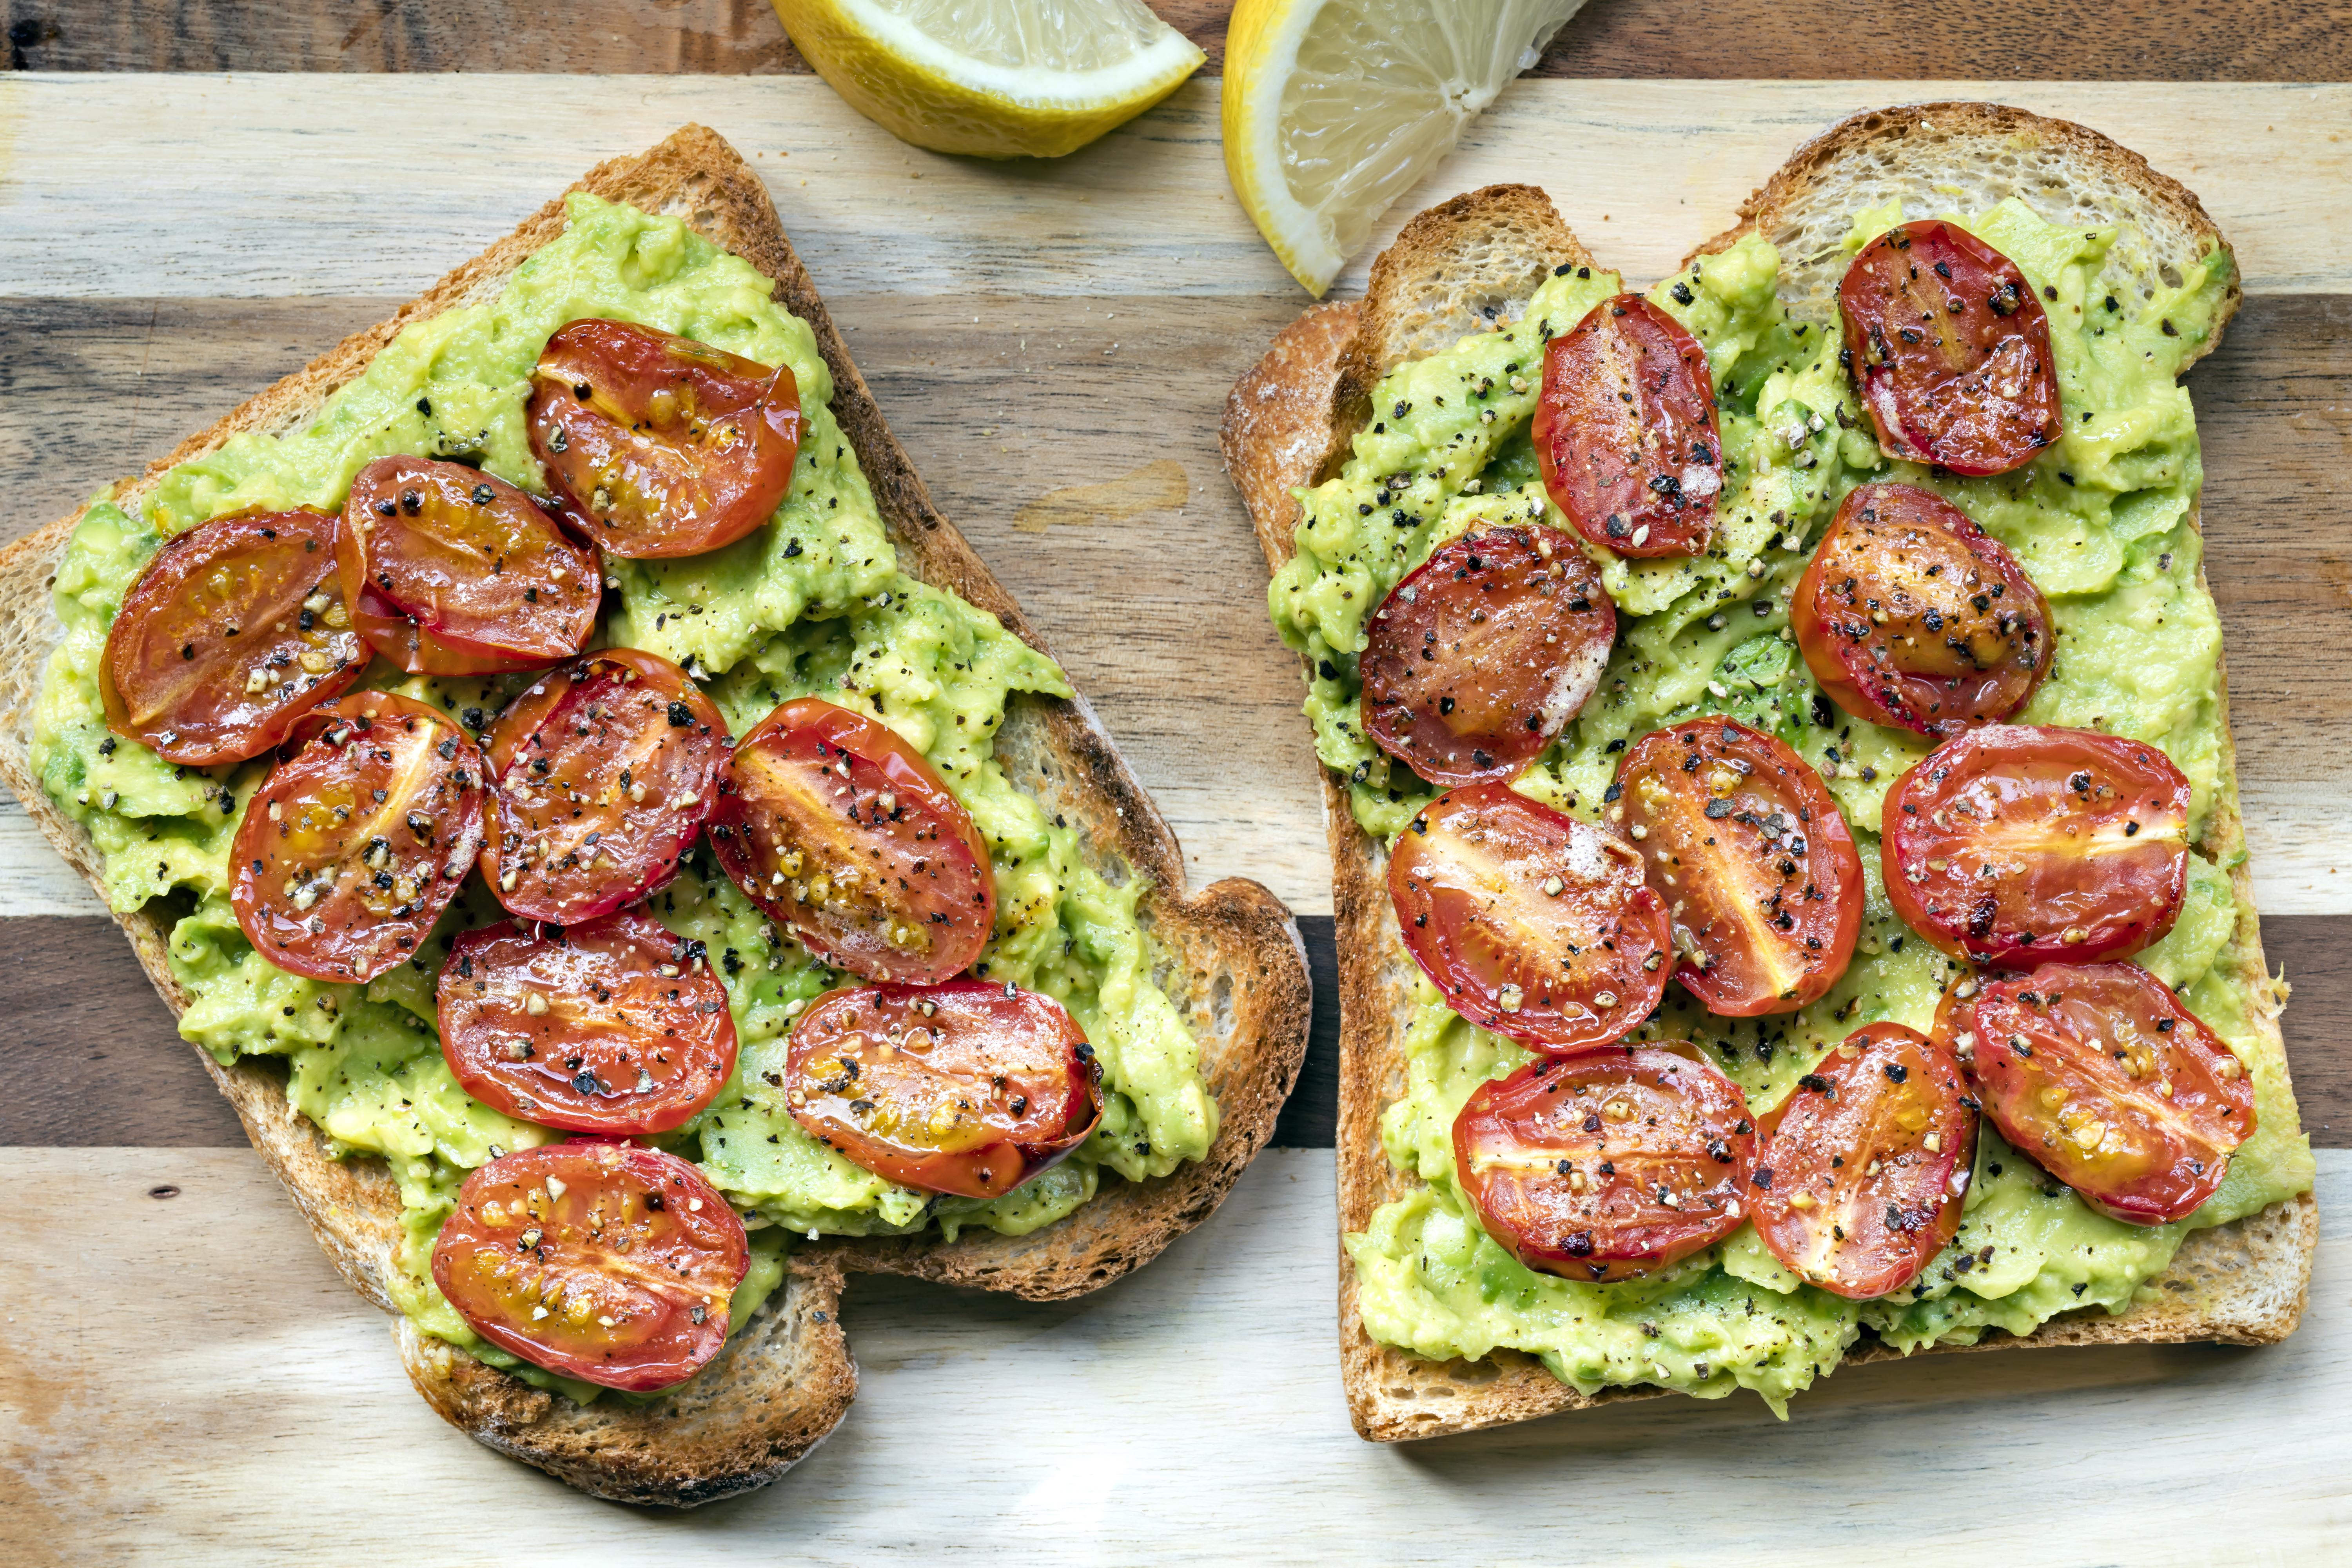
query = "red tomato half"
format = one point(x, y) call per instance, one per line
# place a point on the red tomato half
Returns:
point(1750, 856)
point(359, 839)
point(2099, 1074)
point(2019, 842)
point(1865, 1167)
point(1485, 651)
point(662, 446)
point(967, 1088)
point(1952, 349)
point(451, 571)
point(236, 629)
point(1606, 1164)
point(603, 773)
point(1625, 431)
point(839, 829)
point(1909, 616)
point(600, 1261)
point(1535, 924)
point(617, 1025)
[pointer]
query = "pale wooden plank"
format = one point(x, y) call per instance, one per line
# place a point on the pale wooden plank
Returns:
point(186, 1379)
point(397, 176)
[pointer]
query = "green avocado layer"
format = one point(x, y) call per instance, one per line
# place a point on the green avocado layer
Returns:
point(812, 603)
point(2102, 521)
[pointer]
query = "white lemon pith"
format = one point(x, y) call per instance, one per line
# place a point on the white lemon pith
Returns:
point(995, 79)
point(1333, 109)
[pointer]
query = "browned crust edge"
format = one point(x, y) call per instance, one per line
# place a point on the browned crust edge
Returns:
point(1308, 394)
point(1234, 966)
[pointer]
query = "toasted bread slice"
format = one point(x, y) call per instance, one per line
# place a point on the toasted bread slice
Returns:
point(1231, 962)
point(1459, 269)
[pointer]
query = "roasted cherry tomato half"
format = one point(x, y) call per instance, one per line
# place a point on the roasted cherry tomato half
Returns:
point(1952, 350)
point(1864, 1168)
point(1752, 858)
point(2099, 1074)
point(1608, 1164)
point(603, 773)
point(1535, 924)
point(1625, 431)
point(616, 1026)
point(967, 1088)
point(451, 571)
point(1485, 651)
point(596, 1260)
point(662, 446)
point(840, 830)
point(2018, 842)
point(236, 629)
point(358, 839)
point(1910, 616)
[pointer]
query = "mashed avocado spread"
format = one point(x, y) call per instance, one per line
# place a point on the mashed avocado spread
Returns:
point(2104, 523)
point(812, 604)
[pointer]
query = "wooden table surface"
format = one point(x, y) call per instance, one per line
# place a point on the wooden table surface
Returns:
point(1053, 343)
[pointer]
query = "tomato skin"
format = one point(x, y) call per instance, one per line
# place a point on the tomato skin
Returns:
point(1952, 350)
point(379, 903)
point(1625, 431)
point(2087, 834)
point(1863, 1171)
point(664, 1275)
point(1485, 651)
point(2083, 1098)
point(873, 1070)
point(689, 447)
point(609, 1014)
point(1570, 1189)
point(1469, 880)
point(620, 745)
point(1750, 855)
point(171, 680)
point(780, 825)
point(451, 571)
point(1887, 616)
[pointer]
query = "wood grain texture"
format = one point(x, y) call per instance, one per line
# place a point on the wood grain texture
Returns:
point(190, 1382)
point(2267, 40)
point(106, 1067)
point(1048, 429)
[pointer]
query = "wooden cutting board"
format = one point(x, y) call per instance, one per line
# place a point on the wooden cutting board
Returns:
point(1052, 344)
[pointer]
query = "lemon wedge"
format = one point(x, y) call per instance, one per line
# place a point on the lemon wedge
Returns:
point(996, 79)
point(1333, 109)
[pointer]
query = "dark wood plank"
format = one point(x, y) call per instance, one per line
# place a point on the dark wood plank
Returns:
point(2263, 40)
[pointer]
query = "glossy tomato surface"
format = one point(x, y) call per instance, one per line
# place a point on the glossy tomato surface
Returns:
point(2017, 843)
point(1625, 431)
point(1750, 857)
point(1607, 1164)
point(968, 1088)
point(1864, 1168)
point(617, 1025)
point(662, 446)
point(236, 629)
point(1909, 614)
point(1952, 350)
point(358, 840)
point(1483, 651)
point(1534, 923)
point(598, 1260)
point(2098, 1073)
point(602, 773)
point(840, 830)
point(451, 571)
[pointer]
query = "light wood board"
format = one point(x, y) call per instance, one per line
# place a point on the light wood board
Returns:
point(187, 1380)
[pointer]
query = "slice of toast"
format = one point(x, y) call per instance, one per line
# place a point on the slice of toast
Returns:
point(1459, 269)
point(1231, 959)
